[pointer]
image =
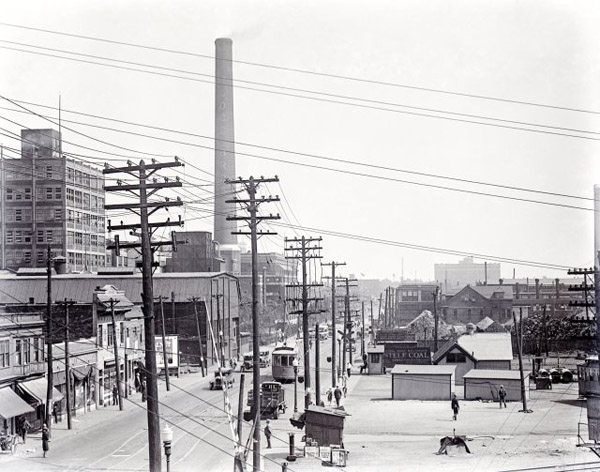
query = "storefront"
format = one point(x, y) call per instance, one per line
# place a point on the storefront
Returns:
point(34, 393)
point(11, 407)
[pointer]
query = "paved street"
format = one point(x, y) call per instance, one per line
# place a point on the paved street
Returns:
point(112, 440)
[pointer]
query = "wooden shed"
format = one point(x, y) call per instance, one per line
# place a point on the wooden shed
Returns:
point(375, 361)
point(325, 425)
point(484, 384)
point(422, 382)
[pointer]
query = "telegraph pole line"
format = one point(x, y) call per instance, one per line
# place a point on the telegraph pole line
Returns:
point(519, 335)
point(305, 249)
point(335, 371)
point(362, 345)
point(251, 205)
point(194, 300)
point(113, 302)
point(220, 329)
point(347, 323)
point(48, 411)
point(143, 190)
point(164, 342)
point(436, 318)
point(67, 304)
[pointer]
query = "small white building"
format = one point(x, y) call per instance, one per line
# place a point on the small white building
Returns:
point(476, 351)
point(484, 384)
point(422, 382)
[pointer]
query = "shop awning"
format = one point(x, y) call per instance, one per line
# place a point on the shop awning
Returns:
point(81, 372)
point(37, 389)
point(11, 404)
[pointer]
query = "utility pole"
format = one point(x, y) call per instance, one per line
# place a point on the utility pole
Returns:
point(436, 318)
point(144, 190)
point(519, 334)
point(66, 305)
point(164, 341)
point(372, 340)
point(220, 329)
point(362, 346)
point(113, 302)
point(48, 337)
point(379, 325)
point(346, 341)
point(385, 312)
point(251, 205)
point(335, 371)
point(305, 249)
point(194, 300)
point(317, 366)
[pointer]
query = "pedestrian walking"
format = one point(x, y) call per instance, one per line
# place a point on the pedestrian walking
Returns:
point(25, 427)
point(137, 382)
point(329, 395)
point(337, 393)
point(349, 368)
point(143, 389)
point(45, 439)
point(455, 406)
point(115, 392)
point(363, 367)
point(55, 412)
point(268, 433)
point(502, 396)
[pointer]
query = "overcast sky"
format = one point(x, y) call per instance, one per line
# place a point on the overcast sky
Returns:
point(524, 62)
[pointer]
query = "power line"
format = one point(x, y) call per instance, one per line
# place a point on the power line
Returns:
point(362, 174)
point(304, 71)
point(325, 100)
point(295, 89)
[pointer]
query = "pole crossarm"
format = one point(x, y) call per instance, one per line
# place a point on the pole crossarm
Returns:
point(133, 168)
point(153, 185)
point(122, 226)
point(138, 206)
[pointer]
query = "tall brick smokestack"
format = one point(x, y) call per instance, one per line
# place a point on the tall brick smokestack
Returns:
point(224, 142)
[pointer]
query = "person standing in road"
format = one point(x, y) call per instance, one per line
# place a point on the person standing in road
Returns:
point(45, 439)
point(349, 369)
point(329, 395)
point(115, 392)
point(337, 393)
point(455, 406)
point(502, 396)
point(268, 433)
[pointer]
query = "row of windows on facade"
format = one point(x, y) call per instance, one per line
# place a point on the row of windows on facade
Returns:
point(94, 182)
point(77, 198)
point(106, 334)
point(27, 350)
point(18, 257)
point(25, 215)
point(51, 236)
point(504, 314)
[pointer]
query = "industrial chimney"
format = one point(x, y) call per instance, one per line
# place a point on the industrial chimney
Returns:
point(225, 155)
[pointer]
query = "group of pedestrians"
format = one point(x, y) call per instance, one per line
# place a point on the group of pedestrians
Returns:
point(456, 406)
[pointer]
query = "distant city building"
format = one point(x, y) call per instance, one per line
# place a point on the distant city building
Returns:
point(412, 300)
point(49, 200)
point(453, 277)
point(199, 253)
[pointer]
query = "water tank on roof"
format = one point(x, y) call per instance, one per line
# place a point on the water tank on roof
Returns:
point(60, 265)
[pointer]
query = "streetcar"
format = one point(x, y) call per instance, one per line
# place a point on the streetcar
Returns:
point(282, 364)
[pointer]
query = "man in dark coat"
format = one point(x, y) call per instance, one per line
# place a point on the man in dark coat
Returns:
point(337, 393)
point(268, 433)
point(502, 396)
point(45, 439)
point(455, 406)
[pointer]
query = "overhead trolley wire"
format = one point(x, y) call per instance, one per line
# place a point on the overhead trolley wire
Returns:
point(303, 71)
point(295, 89)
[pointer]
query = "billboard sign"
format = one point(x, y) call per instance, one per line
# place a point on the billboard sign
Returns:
point(401, 354)
point(172, 348)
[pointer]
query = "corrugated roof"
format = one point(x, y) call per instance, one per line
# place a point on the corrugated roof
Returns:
point(488, 291)
point(494, 374)
point(487, 346)
point(80, 287)
point(409, 369)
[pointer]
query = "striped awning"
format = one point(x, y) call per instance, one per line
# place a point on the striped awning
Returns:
point(11, 404)
point(37, 389)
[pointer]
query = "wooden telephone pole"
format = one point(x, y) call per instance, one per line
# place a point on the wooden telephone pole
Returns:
point(304, 250)
point(335, 371)
point(50, 388)
point(67, 304)
point(194, 300)
point(164, 341)
point(143, 190)
point(251, 205)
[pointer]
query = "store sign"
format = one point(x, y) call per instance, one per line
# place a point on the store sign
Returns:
point(172, 348)
point(400, 354)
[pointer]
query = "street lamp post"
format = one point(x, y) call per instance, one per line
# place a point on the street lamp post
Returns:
point(167, 437)
point(295, 364)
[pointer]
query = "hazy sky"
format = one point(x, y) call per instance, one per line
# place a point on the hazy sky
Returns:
point(514, 55)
